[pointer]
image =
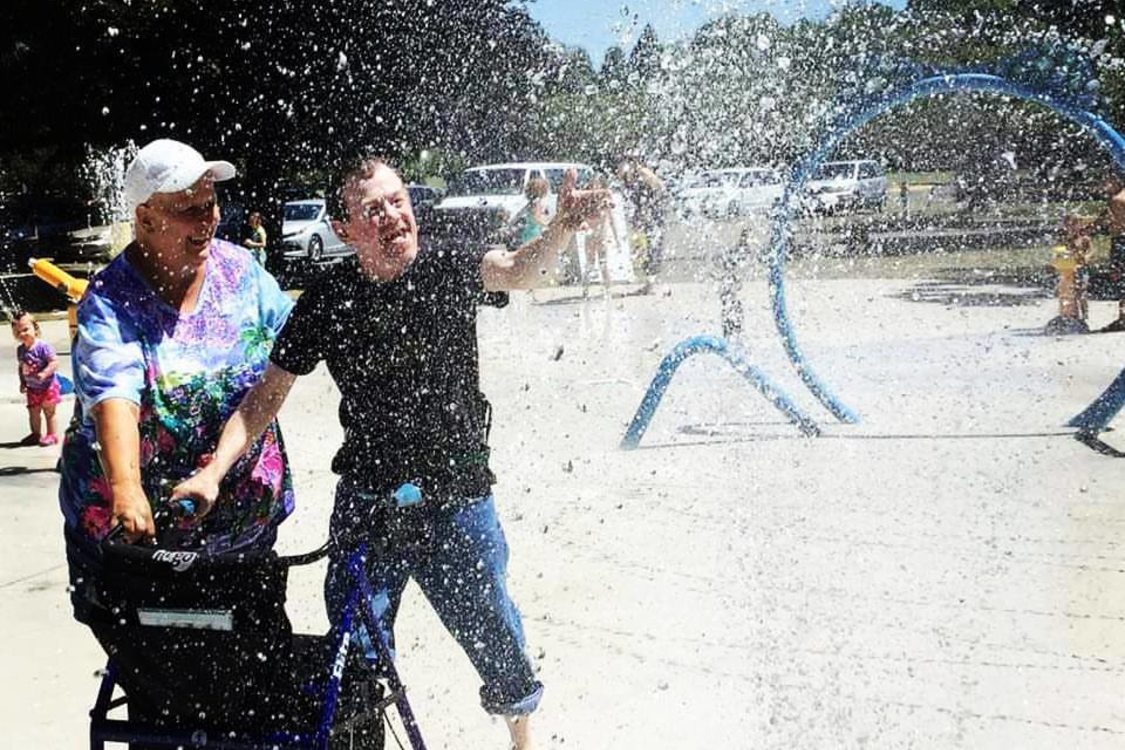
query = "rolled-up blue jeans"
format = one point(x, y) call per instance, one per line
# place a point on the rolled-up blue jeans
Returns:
point(458, 556)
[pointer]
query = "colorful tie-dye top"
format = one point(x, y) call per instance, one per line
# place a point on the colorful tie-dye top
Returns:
point(187, 373)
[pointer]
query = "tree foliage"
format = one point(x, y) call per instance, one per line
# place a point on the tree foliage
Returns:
point(287, 89)
point(283, 88)
point(746, 90)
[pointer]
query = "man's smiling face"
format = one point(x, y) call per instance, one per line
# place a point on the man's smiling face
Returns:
point(380, 223)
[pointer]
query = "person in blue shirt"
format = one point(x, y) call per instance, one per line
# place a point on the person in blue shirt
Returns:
point(172, 335)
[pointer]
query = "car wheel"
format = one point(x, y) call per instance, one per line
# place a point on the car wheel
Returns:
point(316, 248)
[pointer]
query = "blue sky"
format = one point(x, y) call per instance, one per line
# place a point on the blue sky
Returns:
point(597, 25)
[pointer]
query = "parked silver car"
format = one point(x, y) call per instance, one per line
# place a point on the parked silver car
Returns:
point(306, 232)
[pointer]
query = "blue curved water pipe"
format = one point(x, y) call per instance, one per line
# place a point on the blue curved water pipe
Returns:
point(1097, 416)
point(735, 358)
point(1111, 401)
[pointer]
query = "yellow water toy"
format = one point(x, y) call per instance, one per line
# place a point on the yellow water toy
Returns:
point(1062, 259)
point(69, 285)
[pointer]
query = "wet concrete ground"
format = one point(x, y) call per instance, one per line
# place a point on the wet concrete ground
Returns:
point(947, 573)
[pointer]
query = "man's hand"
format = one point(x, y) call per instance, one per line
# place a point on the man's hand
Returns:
point(576, 207)
point(132, 510)
point(527, 266)
point(202, 488)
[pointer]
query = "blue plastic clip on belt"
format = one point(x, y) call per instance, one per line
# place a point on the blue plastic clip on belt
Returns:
point(407, 494)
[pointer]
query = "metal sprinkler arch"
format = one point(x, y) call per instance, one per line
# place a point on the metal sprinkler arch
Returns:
point(1095, 417)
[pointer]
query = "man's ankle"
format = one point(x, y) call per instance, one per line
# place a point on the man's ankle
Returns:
point(520, 732)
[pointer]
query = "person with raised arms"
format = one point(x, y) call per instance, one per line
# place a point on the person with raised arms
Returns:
point(397, 329)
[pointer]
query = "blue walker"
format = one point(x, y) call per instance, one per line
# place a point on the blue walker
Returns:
point(330, 697)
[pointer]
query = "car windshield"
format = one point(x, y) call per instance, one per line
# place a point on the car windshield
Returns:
point(301, 211)
point(714, 180)
point(835, 171)
point(759, 177)
point(489, 182)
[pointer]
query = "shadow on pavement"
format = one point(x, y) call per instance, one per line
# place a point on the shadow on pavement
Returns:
point(729, 433)
point(11, 471)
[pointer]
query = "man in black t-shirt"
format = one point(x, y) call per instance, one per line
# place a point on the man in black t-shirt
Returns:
point(397, 330)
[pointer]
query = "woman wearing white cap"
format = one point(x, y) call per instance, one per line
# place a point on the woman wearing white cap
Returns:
point(171, 335)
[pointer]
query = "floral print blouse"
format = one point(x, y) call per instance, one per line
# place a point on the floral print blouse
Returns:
point(187, 373)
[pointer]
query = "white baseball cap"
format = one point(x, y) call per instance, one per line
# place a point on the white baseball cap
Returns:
point(168, 166)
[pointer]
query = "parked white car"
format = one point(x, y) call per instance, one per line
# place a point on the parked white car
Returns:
point(306, 232)
point(494, 197)
point(497, 192)
point(844, 185)
point(759, 190)
point(710, 193)
point(731, 192)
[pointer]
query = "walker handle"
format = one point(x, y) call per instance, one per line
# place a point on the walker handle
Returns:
point(182, 508)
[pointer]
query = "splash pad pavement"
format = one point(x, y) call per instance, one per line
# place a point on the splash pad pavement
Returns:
point(946, 573)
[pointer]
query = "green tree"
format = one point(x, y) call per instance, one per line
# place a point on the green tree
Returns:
point(286, 90)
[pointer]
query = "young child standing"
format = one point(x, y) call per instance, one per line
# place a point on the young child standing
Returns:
point(1077, 230)
point(37, 366)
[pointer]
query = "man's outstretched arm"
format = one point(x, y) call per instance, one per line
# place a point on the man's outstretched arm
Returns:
point(258, 408)
point(528, 266)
